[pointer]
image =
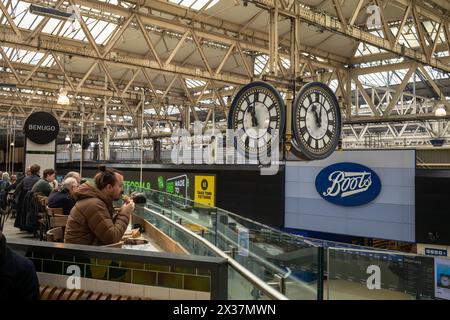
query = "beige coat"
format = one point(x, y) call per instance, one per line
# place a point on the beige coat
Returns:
point(92, 220)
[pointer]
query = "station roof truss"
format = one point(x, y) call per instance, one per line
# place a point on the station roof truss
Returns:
point(163, 64)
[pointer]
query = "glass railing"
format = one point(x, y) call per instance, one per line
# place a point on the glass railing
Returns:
point(378, 275)
point(241, 284)
point(286, 262)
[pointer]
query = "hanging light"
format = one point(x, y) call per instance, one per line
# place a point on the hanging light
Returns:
point(440, 111)
point(67, 138)
point(63, 99)
point(166, 128)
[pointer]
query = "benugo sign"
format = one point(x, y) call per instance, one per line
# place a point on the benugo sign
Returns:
point(348, 184)
point(204, 192)
point(41, 127)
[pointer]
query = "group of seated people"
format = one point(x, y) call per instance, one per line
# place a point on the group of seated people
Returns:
point(92, 220)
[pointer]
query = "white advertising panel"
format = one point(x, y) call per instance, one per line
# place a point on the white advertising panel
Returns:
point(359, 193)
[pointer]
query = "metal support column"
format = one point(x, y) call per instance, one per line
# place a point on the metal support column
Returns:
point(273, 40)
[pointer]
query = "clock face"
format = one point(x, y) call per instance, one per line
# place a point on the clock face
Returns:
point(316, 121)
point(257, 117)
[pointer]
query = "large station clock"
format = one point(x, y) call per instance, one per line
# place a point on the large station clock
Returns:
point(257, 115)
point(316, 122)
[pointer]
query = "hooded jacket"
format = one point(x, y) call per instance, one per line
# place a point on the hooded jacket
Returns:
point(92, 221)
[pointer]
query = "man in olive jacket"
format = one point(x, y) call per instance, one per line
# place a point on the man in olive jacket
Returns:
point(92, 221)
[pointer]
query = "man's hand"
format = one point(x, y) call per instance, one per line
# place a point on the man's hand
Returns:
point(128, 208)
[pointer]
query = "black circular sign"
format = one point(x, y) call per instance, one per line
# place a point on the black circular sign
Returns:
point(41, 127)
point(204, 184)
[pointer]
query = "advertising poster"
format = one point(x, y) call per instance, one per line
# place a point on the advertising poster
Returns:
point(185, 187)
point(178, 187)
point(204, 192)
point(243, 241)
point(442, 278)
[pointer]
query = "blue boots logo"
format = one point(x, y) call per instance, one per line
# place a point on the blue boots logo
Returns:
point(348, 184)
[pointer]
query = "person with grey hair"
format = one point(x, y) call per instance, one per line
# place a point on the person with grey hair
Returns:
point(5, 176)
point(65, 198)
point(73, 174)
point(4, 184)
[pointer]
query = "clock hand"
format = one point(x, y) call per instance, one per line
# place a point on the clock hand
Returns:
point(314, 110)
point(320, 117)
point(254, 118)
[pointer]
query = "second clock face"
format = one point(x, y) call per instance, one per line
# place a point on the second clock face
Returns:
point(257, 116)
point(316, 121)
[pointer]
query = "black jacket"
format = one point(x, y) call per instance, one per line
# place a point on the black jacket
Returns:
point(61, 199)
point(22, 189)
point(18, 279)
point(28, 182)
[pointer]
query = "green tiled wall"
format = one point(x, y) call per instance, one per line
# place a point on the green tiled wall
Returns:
point(125, 271)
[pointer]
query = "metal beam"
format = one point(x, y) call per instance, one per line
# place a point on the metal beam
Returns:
point(10, 20)
point(325, 21)
point(400, 89)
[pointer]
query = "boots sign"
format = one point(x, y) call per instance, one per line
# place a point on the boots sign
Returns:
point(41, 127)
point(348, 184)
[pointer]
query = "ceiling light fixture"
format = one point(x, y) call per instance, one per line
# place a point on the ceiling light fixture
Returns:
point(7, 85)
point(440, 111)
point(63, 99)
point(49, 12)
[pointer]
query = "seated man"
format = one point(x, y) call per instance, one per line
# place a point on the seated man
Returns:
point(18, 279)
point(71, 174)
point(92, 220)
point(75, 175)
point(65, 198)
point(44, 185)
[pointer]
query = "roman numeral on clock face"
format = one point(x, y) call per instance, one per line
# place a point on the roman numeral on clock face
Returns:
point(274, 118)
point(303, 130)
point(316, 131)
point(257, 110)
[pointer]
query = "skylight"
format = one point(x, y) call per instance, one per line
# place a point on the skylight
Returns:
point(195, 4)
point(191, 83)
point(101, 30)
point(261, 64)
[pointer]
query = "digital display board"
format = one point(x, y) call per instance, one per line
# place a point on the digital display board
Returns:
point(412, 275)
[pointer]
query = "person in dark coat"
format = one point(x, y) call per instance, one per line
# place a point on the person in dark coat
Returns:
point(22, 189)
point(65, 198)
point(18, 278)
point(45, 185)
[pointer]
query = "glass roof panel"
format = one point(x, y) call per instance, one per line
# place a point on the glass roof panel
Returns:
point(191, 83)
point(260, 63)
point(104, 36)
point(21, 16)
point(195, 4)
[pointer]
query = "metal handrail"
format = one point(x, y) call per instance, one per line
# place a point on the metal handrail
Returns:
point(261, 285)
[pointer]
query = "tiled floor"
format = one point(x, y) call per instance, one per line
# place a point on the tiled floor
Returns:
point(10, 232)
